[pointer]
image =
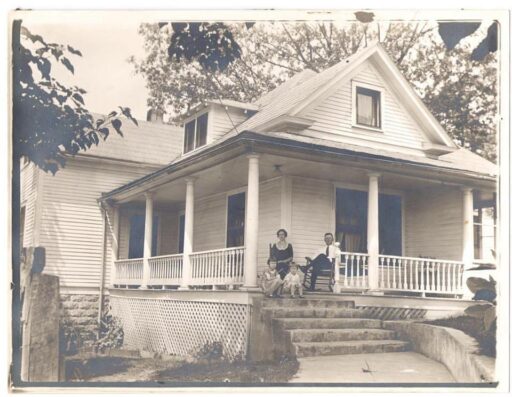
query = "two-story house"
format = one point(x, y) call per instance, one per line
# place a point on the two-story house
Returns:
point(351, 150)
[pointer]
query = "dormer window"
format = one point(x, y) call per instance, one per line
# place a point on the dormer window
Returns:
point(195, 133)
point(367, 106)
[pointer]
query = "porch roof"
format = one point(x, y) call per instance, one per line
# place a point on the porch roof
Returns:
point(460, 163)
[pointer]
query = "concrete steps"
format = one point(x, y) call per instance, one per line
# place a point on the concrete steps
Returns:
point(308, 349)
point(313, 312)
point(340, 335)
point(322, 327)
point(316, 323)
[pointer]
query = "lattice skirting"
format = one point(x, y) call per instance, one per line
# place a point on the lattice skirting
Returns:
point(182, 327)
point(392, 313)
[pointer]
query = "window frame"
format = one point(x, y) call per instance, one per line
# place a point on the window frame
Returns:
point(372, 87)
point(195, 120)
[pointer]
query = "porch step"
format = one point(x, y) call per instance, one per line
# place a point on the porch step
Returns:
point(308, 302)
point(308, 349)
point(315, 312)
point(340, 335)
point(312, 323)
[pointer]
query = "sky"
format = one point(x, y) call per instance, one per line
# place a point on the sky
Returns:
point(103, 70)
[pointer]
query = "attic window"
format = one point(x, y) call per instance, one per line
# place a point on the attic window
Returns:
point(368, 107)
point(195, 133)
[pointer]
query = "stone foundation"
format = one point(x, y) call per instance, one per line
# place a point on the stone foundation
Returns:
point(79, 317)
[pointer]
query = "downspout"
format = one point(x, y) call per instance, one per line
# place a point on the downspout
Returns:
point(103, 259)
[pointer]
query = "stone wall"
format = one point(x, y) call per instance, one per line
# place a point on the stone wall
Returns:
point(79, 318)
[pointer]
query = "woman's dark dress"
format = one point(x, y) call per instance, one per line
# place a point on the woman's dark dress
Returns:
point(283, 257)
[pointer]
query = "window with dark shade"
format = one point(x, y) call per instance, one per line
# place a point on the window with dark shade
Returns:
point(368, 107)
point(236, 220)
point(136, 243)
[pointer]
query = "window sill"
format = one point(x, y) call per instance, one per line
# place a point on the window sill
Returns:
point(367, 128)
point(192, 151)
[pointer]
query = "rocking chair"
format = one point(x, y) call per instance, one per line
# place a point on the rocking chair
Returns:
point(324, 269)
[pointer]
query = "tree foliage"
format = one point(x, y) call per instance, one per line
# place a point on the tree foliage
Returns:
point(457, 86)
point(50, 119)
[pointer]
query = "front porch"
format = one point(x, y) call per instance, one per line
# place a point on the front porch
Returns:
point(198, 225)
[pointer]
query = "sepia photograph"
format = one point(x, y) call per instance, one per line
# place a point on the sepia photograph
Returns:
point(222, 199)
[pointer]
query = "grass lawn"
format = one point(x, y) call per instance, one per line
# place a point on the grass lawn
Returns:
point(474, 328)
point(97, 368)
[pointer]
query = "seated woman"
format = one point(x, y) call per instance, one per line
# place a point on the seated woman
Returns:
point(282, 251)
point(271, 283)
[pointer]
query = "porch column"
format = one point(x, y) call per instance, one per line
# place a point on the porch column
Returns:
point(251, 222)
point(115, 242)
point(188, 242)
point(148, 237)
point(468, 248)
point(373, 231)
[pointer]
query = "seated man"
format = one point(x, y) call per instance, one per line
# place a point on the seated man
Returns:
point(324, 258)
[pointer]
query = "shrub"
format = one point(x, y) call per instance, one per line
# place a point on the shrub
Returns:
point(111, 334)
point(210, 351)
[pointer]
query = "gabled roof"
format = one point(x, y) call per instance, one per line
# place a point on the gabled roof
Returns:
point(289, 84)
point(289, 100)
point(149, 143)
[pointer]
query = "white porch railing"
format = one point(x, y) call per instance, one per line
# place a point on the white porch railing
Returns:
point(218, 267)
point(354, 270)
point(420, 275)
point(165, 269)
point(129, 271)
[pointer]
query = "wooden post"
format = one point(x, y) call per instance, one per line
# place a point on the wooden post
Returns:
point(251, 223)
point(468, 248)
point(373, 231)
point(188, 243)
point(148, 238)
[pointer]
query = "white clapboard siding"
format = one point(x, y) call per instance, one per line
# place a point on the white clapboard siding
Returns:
point(224, 120)
point(269, 219)
point(71, 221)
point(433, 224)
point(210, 223)
point(29, 184)
point(312, 216)
point(333, 118)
